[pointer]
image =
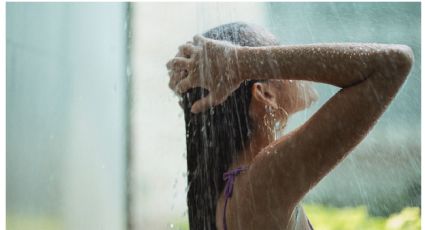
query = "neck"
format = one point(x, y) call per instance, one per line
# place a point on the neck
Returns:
point(260, 138)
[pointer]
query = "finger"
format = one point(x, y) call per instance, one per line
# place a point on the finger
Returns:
point(176, 77)
point(179, 63)
point(186, 50)
point(176, 62)
point(186, 84)
point(198, 39)
point(188, 43)
point(203, 104)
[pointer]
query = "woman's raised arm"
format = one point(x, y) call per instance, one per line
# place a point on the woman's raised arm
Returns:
point(339, 64)
point(220, 66)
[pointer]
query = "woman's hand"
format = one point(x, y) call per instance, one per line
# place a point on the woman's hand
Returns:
point(208, 64)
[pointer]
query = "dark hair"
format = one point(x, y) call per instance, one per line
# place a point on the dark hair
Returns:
point(214, 137)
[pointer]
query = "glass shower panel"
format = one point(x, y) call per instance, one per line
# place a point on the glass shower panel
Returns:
point(66, 115)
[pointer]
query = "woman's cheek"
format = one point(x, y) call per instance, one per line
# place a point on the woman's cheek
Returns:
point(303, 95)
point(311, 94)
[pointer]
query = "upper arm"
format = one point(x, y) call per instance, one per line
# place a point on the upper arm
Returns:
point(291, 166)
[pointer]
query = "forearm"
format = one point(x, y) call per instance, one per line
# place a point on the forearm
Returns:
point(342, 65)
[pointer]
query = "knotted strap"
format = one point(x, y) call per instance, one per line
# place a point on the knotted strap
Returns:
point(229, 177)
point(309, 224)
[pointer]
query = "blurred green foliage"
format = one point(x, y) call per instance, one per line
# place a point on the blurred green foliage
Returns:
point(321, 217)
point(33, 222)
point(357, 218)
point(350, 218)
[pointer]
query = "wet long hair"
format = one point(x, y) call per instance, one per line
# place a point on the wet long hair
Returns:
point(215, 137)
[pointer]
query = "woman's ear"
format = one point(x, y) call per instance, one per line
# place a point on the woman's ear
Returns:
point(264, 94)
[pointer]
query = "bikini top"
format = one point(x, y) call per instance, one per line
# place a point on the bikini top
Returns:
point(229, 178)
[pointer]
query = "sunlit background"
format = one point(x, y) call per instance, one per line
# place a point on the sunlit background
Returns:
point(96, 140)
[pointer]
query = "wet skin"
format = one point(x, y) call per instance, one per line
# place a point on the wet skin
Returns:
point(282, 171)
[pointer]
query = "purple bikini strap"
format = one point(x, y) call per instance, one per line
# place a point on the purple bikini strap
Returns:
point(229, 177)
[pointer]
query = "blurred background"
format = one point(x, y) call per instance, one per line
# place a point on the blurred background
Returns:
point(96, 140)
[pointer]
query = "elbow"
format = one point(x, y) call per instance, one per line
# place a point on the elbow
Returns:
point(405, 58)
point(400, 59)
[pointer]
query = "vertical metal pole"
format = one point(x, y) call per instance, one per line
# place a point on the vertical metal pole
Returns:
point(128, 107)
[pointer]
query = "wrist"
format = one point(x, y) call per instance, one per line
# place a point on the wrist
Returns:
point(253, 62)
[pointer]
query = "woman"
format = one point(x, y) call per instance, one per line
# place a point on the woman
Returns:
point(239, 87)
